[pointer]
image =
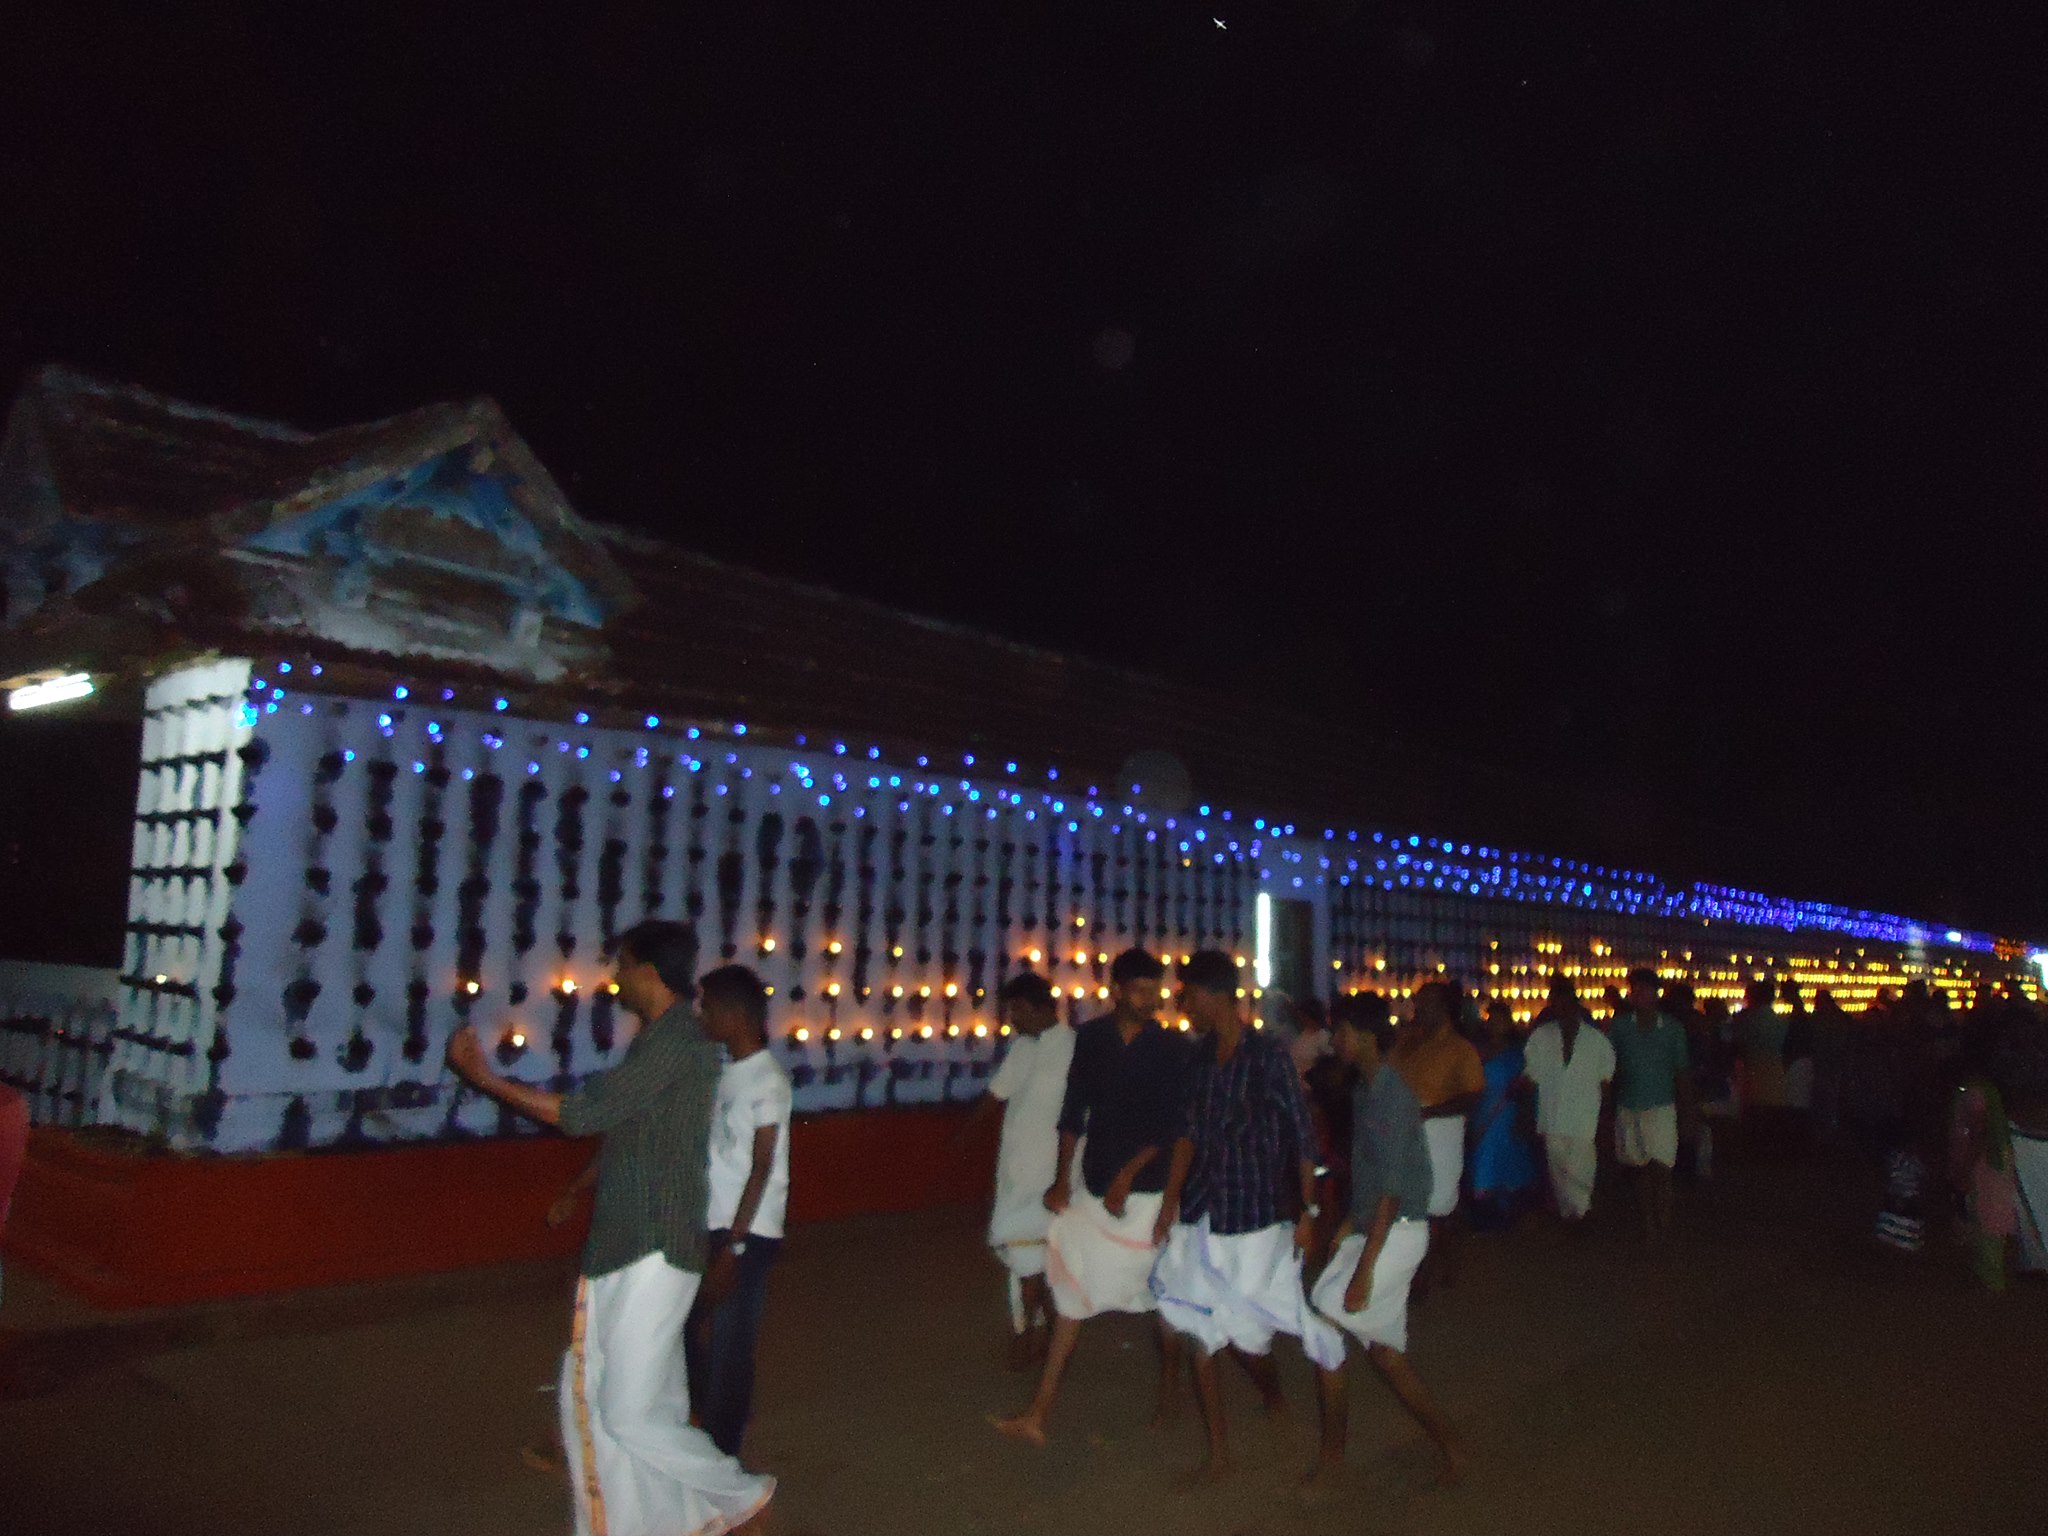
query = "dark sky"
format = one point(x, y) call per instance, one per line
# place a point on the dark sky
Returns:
point(1649, 394)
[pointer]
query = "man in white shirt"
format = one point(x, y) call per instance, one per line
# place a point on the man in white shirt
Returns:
point(1570, 1063)
point(748, 1200)
point(1028, 1090)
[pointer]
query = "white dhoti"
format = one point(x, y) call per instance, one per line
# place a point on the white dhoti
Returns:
point(1645, 1136)
point(1096, 1262)
point(1384, 1317)
point(1574, 1162)
point(1017, 1227)
point(1023, 1258)
point(1239, 1290)
point(625, 1404)
point(1799, 1084)
point(1445, 1137)
point(2030, 1173)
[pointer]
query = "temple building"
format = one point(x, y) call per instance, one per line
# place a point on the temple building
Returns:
point(320, 744)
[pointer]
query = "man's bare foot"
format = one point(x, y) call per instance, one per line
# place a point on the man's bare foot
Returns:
point(1028, 1425)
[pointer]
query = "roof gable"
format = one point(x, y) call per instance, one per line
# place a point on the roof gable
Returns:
point(436, 532)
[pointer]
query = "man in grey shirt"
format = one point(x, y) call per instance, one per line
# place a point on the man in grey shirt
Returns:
point(1364, 1288)
point(637, 1465)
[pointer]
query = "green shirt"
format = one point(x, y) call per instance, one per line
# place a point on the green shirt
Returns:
point(654, 1112)
point(1647, 1062)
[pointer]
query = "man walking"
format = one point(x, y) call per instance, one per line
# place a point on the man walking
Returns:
point(637, 1466)
point(1364, 1288)
point(1229, 1273)
point(749, 1198)
point(1124, 1094)
point(1028, 1090)
point(1653, 1086)
point(1570, 1064)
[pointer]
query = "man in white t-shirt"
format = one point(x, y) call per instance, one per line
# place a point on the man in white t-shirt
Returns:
point(1570, 1063)
point(1028, 1090)
point(748, 1200)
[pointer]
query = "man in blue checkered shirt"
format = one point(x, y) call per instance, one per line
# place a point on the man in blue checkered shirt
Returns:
point(1240, 1200)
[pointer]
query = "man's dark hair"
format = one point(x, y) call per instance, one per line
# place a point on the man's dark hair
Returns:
point(667, 946)
point(1028, 988)
point(1211, 970)
point(1135, 965)
point(1440, 995)
point(739, 986)
point(1563, 989)
point(1367, 1013)
point(1643, 976)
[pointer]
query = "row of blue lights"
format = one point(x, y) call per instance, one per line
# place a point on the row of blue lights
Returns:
point(1385, 860)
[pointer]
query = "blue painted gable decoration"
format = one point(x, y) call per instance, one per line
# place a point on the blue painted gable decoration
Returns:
point(446, 515)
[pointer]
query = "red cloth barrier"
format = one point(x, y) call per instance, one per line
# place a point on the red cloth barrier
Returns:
point(128, 1227)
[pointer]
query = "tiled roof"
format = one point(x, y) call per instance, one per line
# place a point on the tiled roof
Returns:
point(719, 642)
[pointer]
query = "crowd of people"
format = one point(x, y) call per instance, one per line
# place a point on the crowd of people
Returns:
point(1951, 1101)
point(1318, 1177)
point(1309, 1173)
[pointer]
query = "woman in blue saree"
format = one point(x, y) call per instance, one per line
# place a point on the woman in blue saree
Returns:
point(1502, 1166)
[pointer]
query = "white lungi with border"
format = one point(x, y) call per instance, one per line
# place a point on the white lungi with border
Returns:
point(1096, 1262)
point(1574, 1164)
point(625, 1403)
point(1023, 1257)
point(1445, 1137)
point(1239, 1290)
point(1384, 1317)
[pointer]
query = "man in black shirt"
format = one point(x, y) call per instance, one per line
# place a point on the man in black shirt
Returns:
point(1125, 1093)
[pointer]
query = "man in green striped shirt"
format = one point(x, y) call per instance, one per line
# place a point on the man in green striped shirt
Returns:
point(636, 1463)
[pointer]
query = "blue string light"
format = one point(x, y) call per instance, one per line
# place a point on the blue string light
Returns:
point(1500, 875)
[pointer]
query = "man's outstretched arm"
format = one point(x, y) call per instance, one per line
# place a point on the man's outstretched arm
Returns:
point(472, 1063)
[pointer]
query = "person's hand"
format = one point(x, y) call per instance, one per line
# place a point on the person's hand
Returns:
point(563, 1208)
point(466, 1056)
point(1359, 1291)
point(720, 1276)
point(1169, 1213)
point(1057, 1197)
point(1119, 1192)
point(1304, 1233)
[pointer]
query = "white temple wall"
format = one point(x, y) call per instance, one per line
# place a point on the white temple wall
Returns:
point(325, 887)
point(196, 735)
point(406, 865)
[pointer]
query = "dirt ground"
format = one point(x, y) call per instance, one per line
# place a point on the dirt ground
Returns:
point(1773, 1372)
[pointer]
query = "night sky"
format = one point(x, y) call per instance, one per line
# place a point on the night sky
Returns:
point(1647, 396)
